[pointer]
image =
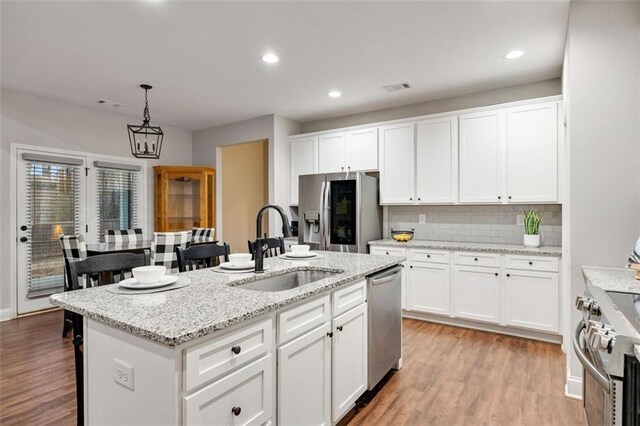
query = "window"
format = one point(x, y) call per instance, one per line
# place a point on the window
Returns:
point(117, 199)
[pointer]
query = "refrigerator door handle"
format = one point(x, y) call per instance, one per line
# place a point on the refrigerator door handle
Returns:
point(326, 216)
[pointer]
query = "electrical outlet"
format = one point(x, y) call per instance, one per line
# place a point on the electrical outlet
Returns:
point(422, 218)
point(123, 373)
point(519, 219)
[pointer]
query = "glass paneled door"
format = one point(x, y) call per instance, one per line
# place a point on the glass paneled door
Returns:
point(50, 202)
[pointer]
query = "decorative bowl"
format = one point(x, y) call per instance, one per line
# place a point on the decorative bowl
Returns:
point(402, 235)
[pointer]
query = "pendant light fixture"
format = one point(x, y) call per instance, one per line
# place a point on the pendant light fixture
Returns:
point(145, 140)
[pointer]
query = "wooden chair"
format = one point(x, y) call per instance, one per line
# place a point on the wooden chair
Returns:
point(106, 268)
point(275, 247)
point(204, 255)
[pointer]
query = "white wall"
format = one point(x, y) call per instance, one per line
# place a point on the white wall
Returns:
point(489, 97)
point(602, 82)
point(272, 127)
point(32, 120)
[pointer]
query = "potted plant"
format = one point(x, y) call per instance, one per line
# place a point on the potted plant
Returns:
point(531, 229)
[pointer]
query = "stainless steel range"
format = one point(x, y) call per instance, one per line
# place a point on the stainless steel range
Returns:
point(607, 343)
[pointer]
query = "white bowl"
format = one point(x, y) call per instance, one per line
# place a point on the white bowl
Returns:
point(238, 259)
point(299, 249)
point(148, 274)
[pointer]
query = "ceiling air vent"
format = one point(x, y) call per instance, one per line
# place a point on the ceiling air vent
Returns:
point(109, 103)
point(396, 87)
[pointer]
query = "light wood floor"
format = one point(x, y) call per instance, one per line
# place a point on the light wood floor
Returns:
point(451, 376)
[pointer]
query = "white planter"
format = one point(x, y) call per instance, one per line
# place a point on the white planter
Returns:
point(531, 240)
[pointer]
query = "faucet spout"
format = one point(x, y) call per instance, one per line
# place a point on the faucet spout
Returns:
point(260, 245)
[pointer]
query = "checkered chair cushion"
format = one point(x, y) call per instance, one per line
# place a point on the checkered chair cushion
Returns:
point(163, 248)
point(202, 235)
point(73, 246)
point(123, 236)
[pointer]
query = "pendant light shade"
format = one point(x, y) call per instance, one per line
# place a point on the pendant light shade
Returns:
point(145, 140)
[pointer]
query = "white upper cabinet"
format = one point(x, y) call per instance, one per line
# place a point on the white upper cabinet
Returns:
point(397, 164)
point(437, 160)
point(304, 160)
point(532, 153)
point(331, 152)
point(481, 140)
point(362, 149)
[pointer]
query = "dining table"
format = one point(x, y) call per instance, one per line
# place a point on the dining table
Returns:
point(136, 247)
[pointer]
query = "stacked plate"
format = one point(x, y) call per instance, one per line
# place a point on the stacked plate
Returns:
point(238, 266)
point(300, 256)
point(133, 284)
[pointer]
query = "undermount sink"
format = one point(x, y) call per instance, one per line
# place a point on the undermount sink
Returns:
point(287, 281)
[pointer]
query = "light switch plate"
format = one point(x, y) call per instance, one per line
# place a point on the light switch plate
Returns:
point(519, 219)
point(422, 218)
point(123, 373)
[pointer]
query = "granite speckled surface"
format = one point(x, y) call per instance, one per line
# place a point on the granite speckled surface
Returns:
point(213, 301)
point(462, 246)
point(612, 279)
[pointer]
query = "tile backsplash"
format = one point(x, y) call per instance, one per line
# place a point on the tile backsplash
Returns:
point(478, 224)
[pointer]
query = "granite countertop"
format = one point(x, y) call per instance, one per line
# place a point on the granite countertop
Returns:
point(612, 279)
point(462, 246)
point(210, 303)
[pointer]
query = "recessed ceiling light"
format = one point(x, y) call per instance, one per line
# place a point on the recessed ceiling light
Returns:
point(270, 58)
point(335, 94)
point(514, 54)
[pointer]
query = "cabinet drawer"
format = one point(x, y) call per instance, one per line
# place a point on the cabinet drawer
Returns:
point(477, 259)
point(388, 251)
point(303, 318)
point(426, 255)
point(213, 359)
point(532, 263)
point(349, 297)
point(243, 397)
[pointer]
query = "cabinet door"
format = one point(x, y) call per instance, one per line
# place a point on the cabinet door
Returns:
point(349, 359)
point(304, 161)
point(430, 287)
point(481, 156)
point(531, 300)
point(397, 164)
point(304, 379)
point(331, 153)
point(362, 149)
point(532, 153)
point(437, 160)
point(244, 397)
point(477, 293)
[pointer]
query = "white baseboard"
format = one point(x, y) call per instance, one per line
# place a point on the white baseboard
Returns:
point(5, 315)
point(573, 388)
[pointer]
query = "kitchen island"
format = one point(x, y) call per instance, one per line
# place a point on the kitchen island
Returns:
point(212, 352)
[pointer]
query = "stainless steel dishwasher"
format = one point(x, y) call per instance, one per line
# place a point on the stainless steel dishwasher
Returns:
point(384, 293)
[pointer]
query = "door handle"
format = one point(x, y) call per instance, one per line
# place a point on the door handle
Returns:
point(23, 228)
point(23, 239)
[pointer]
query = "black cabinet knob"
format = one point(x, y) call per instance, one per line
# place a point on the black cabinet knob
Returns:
point(499, 197)
point(339, 328)
point(330, 334)
point(475, 258)
point(419, 199)
point(428, 255)
point(508, 275)
point(236, 350)
point(236, 411)
point(23, 239)
point(411, 266)
point(530, 263)
point(387, 253)
point(496, 274)
point(23, 228)
point(509, 196)
point(410, 198)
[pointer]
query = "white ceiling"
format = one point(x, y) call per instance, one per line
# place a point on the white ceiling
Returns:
point(204, 58)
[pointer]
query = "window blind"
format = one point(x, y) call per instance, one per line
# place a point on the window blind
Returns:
point(52, 208)
point(117, 194)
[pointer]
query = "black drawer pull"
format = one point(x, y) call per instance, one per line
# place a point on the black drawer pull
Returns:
point(339, 328)
point(236, 411)
point(499, 197)
point(496, 274)
point(236, 350)
point(475, 258)
point(330, 334)
point(428, 255)
point(530, 263)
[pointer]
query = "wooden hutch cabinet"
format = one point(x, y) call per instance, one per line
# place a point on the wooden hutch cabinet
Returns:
point(184, 198)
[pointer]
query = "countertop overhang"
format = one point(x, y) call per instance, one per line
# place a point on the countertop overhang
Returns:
point(468, 246)
point(209, 303)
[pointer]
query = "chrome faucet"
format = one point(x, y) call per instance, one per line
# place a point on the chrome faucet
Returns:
point(261, 245)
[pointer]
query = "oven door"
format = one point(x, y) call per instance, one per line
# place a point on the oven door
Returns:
point(596, 383)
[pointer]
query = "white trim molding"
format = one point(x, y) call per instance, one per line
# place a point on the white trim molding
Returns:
point(573, 387)
point(5, 314)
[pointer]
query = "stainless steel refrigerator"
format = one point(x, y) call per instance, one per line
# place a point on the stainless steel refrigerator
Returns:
point(339, 211)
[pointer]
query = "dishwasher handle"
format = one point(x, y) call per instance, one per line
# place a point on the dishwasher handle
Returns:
point(385, 276)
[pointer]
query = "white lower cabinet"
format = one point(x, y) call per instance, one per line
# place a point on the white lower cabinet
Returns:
point(304, 379)
point(349, 359)
point(477, 293)
point(243, 397)
point(429, 287)
point(531, 300)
